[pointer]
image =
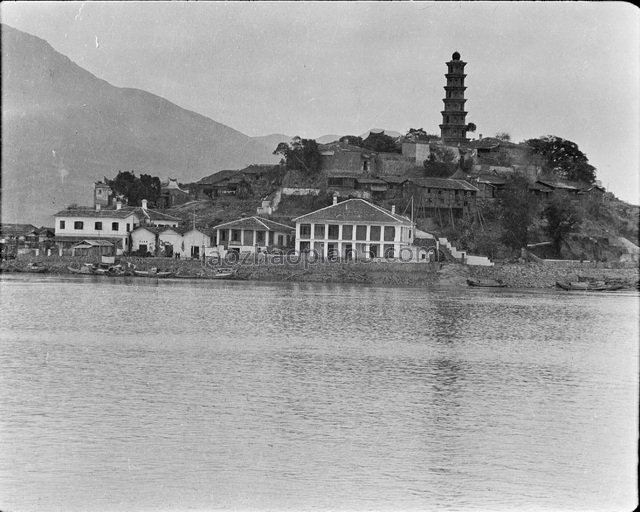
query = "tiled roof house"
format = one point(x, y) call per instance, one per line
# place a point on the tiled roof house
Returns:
point(354, 228)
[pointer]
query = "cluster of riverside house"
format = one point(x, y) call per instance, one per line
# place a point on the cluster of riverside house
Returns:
point(350, 229)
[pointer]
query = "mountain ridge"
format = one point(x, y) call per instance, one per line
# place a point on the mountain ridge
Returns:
point(64, 127)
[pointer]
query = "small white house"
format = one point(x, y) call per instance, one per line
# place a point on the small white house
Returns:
point(252, 234)
point(170, 242)
point(194, 243)
point(145, 239)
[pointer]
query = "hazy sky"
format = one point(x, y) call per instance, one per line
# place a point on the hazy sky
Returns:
point(569, 69)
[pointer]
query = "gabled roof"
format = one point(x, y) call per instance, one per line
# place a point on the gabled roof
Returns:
point(205, 231)
point(258, 223)
point(491, 179)
point(172, 184)
point(540, 187)
point(394, 179)
point(17, 229)
point(443, 183)
point(94, 243)
point(217, 177)
point(354, 210)
point(554, 184)
point(158, 215)
point(458, 175)
point(122, 213)
point(257, 168)
point(178, 230)
point(153, 229)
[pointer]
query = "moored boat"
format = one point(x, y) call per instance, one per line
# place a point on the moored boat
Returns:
point(153, 272)
point(597, 286)
point(86, 269)
point(485, 283)
point(35, 267)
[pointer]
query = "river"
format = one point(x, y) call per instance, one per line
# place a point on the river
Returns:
point(131, 394)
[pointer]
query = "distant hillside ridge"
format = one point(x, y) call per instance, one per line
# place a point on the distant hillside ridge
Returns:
point(64, 128)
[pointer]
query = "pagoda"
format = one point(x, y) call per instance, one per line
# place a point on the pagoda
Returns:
point(453, 130)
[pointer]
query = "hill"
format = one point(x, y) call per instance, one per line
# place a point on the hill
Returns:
point(64, 128)
point(271, 141)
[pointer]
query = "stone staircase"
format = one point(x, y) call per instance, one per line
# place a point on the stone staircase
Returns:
point(463, 257)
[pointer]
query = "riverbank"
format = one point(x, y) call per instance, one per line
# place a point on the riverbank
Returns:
point(513, 275)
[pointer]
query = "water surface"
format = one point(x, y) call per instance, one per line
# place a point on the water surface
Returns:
point(134, 394)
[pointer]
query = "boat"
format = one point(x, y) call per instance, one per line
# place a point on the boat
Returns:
point(597, 286)
point(35, 267)
point(86, 269)
point(219, 273)
point(485, 283)
point(223, 273)
point(152, 272)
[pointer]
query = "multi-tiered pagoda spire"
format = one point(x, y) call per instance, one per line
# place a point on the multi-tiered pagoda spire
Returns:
point(453, 129)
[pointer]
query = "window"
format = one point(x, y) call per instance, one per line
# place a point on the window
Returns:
point(223, 235)
point(128, 227)
point(375, 233)
point(61, 224)
point(235, 235)
point(98, 226)
point(365, 165)
point(361, 232)
point(388, 251)
point(389, 233)
point(347, 232)
point(334, 230)
point(115, 226)
point(318, 232)
point(78, 224)
point(259, 237)
point(305, 230)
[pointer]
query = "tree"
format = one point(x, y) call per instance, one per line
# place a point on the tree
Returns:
point(135, 189)
point(562, 218)
point(354, 140)
point(381, 143)
point(471, 127)
point(518, 210)
point(563, 158)
point(503, 136)
point(300, 154)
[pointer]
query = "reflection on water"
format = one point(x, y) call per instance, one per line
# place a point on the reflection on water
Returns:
point(173, 395)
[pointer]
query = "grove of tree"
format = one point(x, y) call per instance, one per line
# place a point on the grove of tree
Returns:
point(563, 158)
point(135, 189)
point(300, 154)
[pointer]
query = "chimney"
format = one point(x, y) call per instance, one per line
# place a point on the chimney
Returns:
point(480, 137)
point(144, 204)
point(97, 207)
point(118, 205)
point(393, 208)
point(335, 199)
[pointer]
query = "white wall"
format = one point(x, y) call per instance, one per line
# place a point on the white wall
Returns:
point(89, 230)
point(143, 236)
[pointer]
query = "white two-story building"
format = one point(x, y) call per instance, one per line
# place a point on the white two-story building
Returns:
point(354, 229)
point(74, 225)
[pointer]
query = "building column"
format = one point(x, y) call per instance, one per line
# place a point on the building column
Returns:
point(242, 237)
point(255, 236)
point(297, 247)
